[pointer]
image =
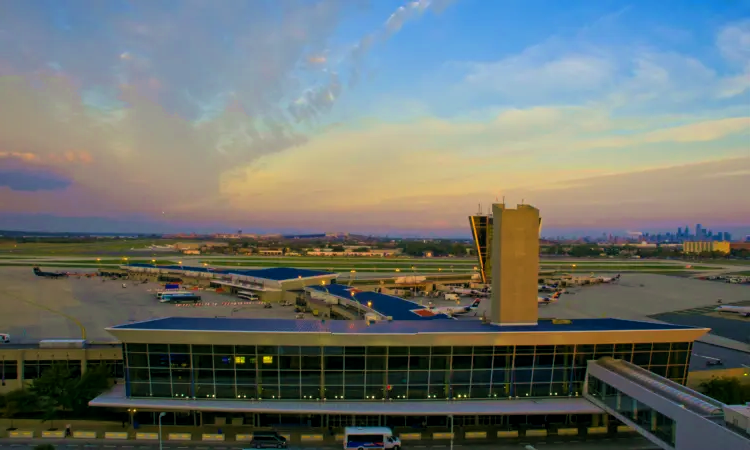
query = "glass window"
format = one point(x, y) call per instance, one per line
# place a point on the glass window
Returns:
point(161, 389)
point(179, 348)
point(545, 349)
point(659, 358)
point(268, 362)
point(504, 350)
point(137, 360)
point(224, 376)
point(461, 362)
point(662, 346)
point(419, 362)
point(524, 361)
point(180, 360)
point(311, 363)
point(482, 362)
point(158, 360)
point(354, 378)
point(678, 357)
point(334, 363)
point(310, 377)
point(224, 361)
point(204, 376)
point(287, 362)
point(269, 377)
point(642, 347)
point(438, 377)
point(246, 391)
point(461, 376)
point(441, 350)
point(417, 392)
point(289, 350)
point(355, 363)
point(483, 351)
point(561, 349)
point(403, 351)
point(398, 363)
point(375, 378)
point(376, 350)
point(245, 376)
point(641, 359)
point(289, 377)
point(414, 351)
point(398, 377)
point(310, 351)
point(680, 345)
point(204, 391)
point(333, 350)
point(225, 391)
point(440, 362)
point(522, 375)
point(160, 375)
point(310, 392)
point(354, 351)
point(137, 348)
point(181, 375)
point(140, 389)
point(138, 375)
point(419, 377)
point(334, 377)
point(481, 376)
point(543, 360)
point(203, 349)
point(289, 392)
point(158, 348)
point(203, 361)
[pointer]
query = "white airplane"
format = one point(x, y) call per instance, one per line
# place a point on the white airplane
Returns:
point(744, 311)
point(609, 279)
point(455, 310)
point(474, 292)
point(546, 287)
point(548, 300)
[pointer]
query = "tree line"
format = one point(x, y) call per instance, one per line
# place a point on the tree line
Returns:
point(57, 392)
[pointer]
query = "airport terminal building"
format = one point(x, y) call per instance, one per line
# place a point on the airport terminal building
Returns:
point(509, 370)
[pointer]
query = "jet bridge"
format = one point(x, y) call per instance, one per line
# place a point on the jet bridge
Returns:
point(668, 414)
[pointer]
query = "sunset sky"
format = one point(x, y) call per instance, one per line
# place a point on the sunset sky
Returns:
point(373, 116)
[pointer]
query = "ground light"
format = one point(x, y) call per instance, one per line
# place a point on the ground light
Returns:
point(160, 440)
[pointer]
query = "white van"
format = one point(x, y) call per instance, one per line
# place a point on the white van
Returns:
point(370, 438)
point(4, 338)
point(451, 296)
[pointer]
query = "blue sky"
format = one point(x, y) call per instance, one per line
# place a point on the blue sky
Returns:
point(374, 116)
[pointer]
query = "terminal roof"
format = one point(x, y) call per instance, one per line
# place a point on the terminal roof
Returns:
point(272, 273)
point(386, 327)
point(387, 305)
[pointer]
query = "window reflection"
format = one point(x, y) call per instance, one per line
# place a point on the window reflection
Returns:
point(370, 373)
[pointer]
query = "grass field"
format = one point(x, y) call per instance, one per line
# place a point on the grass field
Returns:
point(103, 247)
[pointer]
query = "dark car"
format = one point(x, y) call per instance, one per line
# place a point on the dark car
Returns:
point(268, 439)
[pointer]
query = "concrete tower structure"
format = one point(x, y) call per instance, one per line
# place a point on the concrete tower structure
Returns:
point(515, 265)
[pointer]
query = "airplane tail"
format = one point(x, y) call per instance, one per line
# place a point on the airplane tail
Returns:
point(476, 303)
point(556, 295)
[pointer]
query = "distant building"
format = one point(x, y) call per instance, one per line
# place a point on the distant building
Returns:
point(739, 246)
point(694, 247)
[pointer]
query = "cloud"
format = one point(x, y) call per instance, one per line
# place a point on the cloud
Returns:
point(32, 181)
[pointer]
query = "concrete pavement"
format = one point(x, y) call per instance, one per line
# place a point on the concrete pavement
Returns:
point(621, 443)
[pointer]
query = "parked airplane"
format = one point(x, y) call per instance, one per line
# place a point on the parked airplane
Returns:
point(473, 292)
point(609, 279)
point(38, 272)
point(741, 310)
point(548, 300)
point(546, 287)
point(455, 310)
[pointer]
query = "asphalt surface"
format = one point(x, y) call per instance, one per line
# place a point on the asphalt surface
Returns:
point(730, 359)
point(53, 309)
point(620, 443)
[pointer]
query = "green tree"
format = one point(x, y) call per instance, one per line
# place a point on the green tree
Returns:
point(56, 385)
point(49, 409)
point(726, 390)
point(92, 383)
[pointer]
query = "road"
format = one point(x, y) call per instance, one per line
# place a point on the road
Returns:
point(622, 443)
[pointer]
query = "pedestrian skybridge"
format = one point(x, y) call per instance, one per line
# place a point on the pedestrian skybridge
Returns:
point(668, 414)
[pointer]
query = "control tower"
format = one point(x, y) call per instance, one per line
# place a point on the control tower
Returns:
point(515, 265)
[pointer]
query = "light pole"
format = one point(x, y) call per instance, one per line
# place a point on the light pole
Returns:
point(451, 416)
point(160, 442)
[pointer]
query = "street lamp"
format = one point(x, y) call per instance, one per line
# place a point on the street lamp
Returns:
point(160, 442)
point(451, 416)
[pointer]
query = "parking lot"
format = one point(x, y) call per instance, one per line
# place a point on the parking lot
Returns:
point(38, 308)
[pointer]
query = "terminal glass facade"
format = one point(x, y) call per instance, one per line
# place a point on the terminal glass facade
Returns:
point(375, 373)
point(481, 230)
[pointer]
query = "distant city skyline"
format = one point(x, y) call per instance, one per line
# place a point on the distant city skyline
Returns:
point(42, 223)
point(386, 116)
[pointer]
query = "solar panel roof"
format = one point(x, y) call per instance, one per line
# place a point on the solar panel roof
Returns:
point(386, 327)
point(387, 305)
point(271, 273)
